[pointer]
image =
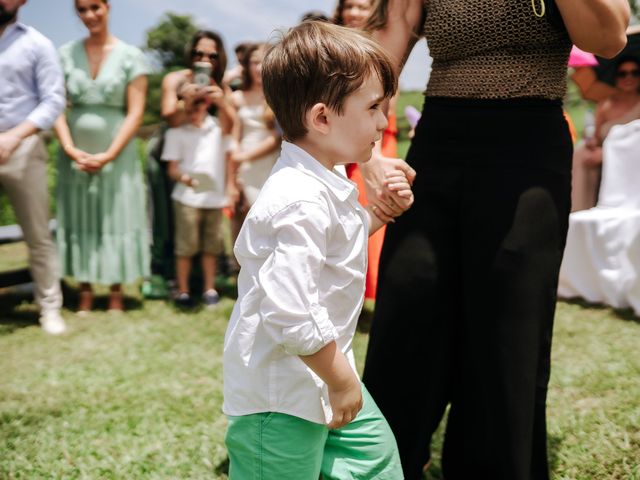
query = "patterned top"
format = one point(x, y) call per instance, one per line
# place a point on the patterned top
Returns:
point(496, 49)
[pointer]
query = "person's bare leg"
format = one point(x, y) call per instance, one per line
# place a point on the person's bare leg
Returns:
point(183, 270)
point(208, 272)
point(585, 178)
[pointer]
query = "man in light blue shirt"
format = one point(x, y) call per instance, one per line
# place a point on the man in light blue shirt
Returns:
point(31, 98)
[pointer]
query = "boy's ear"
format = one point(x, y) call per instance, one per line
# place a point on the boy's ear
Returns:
point(318, 119)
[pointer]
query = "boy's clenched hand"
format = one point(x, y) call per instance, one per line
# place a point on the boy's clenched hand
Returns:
point(346, 402)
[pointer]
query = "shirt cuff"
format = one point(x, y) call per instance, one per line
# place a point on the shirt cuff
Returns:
point(308, 337)
point(45, 115)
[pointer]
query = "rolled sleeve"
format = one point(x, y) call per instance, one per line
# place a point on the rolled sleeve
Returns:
point(291, 310)
point(50, 85)
point(171, 150)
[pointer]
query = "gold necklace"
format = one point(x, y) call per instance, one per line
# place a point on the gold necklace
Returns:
point(542, 11)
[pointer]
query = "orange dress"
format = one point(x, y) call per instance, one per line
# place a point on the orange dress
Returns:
point(389, 149)
point(572, 127)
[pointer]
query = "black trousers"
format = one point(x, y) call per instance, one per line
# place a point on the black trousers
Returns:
point(467, 288)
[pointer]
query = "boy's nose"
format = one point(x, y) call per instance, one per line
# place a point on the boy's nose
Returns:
point(383, 122)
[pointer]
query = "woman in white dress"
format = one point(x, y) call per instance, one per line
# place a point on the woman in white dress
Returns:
point(258, 141)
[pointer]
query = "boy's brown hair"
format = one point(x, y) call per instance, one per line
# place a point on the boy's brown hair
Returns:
point(316, 62)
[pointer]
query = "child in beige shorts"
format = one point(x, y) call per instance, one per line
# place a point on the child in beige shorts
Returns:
point(196, 153)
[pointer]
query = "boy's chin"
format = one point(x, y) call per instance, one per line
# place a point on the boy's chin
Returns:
point(364, 157)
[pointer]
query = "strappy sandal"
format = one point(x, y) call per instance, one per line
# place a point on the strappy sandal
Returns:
point(116, 302)
point(85, 302)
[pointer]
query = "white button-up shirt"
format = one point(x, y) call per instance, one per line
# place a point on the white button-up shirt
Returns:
point(199, 150)
point(303, 254)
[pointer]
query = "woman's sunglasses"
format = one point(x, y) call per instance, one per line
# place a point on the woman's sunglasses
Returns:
point(628, 73)
point(199, 54)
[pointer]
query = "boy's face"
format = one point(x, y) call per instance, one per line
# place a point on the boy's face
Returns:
point(354, 133)
point(198, 111)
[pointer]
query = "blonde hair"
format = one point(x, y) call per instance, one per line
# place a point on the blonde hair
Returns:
point(317, 62)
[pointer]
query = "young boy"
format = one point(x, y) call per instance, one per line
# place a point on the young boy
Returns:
point(196, 153)
point(295, 404)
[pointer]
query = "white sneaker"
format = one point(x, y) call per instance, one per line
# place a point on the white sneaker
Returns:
point(52, 322)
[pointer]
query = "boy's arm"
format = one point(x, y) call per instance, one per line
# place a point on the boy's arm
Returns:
point(291, 311)
point(345, 394)
point(171, 153)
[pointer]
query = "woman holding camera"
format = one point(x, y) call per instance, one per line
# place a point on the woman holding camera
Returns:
point(180, 89)
point(102, 226)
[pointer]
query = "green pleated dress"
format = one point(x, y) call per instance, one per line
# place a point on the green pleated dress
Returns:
point(102, 224)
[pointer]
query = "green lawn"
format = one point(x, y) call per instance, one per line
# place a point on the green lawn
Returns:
point(139, 395)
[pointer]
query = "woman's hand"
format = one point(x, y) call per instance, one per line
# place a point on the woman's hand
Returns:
point(594, 158)
point(399, 200)
point(378, 174)
point(591, 143)
point(189, 92)
point(76, 155)
point(238, 156)
point(214, 95)
point(94, 163)
point(8, 144)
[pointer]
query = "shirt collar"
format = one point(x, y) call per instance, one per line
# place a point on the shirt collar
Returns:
point(207, 124)
point(298, 158)
point(9, 29)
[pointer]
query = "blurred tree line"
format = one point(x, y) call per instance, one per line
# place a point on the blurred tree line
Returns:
point(167, 43)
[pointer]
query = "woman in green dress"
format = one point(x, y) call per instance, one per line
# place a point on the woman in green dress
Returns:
point(102, 226)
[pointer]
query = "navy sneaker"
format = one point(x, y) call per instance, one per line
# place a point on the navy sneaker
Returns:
point(210, 298)
point(183, 300)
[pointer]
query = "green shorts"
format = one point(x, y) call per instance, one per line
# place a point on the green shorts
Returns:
point(275, 446)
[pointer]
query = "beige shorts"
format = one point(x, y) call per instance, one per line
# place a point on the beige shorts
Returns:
point(197, 230)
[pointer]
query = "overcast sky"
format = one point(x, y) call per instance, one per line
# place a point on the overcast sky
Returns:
point(236, 20)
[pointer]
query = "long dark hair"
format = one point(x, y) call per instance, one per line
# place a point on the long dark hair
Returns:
point(220, 65)
point(337, 14)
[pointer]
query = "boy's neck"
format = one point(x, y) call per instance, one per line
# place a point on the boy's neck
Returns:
point(317, 151)
point(198, 120)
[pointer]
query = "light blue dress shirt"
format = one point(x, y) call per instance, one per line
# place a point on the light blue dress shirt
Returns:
point(31, 79)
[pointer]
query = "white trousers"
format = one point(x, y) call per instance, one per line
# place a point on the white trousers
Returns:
point(24, 180)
